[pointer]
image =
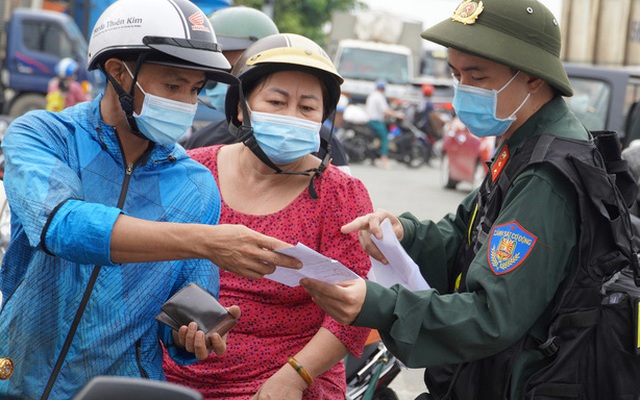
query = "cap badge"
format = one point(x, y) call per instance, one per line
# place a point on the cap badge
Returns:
point(467, 12)
point(6, 368)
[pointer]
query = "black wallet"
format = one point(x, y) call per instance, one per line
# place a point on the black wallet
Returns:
point(193, 303)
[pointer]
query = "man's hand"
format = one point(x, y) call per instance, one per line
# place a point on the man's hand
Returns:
point(368, 225)
point(193, 340)
point(234, 248)
point(342, 301)
point(238, 249)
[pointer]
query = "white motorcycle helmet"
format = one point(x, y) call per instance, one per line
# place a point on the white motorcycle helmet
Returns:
point(169, 32)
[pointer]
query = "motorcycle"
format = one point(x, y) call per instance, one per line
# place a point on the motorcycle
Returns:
point(369, 376)
point(407, 144)
point(127, 388)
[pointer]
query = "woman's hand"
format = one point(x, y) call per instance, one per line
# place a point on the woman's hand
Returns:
point(194, 341)
point(343, 301)
point(285, 384)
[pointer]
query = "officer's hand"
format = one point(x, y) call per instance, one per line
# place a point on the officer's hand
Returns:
point(238, 249)
point(342, 301)
point(368, 225)
point(193, 340)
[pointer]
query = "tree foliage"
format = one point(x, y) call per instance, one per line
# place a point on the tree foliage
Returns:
point(304, 17)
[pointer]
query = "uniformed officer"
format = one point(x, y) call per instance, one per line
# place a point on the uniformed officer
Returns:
point(478, 330)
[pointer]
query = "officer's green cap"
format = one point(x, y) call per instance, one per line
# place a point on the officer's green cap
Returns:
point(522, 34)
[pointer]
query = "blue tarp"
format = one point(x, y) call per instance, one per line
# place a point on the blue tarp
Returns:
point(86, 18)
point(209, 6)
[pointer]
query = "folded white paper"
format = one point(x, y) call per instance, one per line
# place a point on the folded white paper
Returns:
point(401, 268)
point(314, 265)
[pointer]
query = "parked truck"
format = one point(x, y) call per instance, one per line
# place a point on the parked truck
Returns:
point(601, 48)
point(32, 41)
point(372, 45)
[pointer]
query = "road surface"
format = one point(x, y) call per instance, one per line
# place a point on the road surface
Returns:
point(402, 189)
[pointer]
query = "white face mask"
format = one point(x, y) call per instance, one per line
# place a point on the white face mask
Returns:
point(163, 121)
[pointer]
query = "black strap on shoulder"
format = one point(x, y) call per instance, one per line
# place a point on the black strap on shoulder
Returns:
point(71, 334)
point(609, 146)
point(605, 190)
point(126, 98)
point(606, 245)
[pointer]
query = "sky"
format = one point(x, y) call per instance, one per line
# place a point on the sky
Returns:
point(431, 12)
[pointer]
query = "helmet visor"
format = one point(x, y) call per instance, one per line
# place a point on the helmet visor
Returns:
point(191, 54)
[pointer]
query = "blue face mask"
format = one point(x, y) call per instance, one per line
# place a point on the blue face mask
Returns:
point(476, 108)
point(216, 95)
point(163, 121)
point(285, 139)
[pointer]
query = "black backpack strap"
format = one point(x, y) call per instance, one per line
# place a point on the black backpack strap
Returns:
point(533, 151)
point(602, 204)
point(490, 197)
point(605, 237)
point(608, 144)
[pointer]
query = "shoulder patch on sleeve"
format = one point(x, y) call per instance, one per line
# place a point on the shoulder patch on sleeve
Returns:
point(509, 245)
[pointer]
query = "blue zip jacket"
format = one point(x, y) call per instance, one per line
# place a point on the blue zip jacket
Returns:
point(65, 176)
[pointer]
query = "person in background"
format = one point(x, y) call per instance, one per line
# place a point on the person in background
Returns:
point(109, 218)
point(377, 110)
point(496, 265)
point(427, 118)
point(64, 90)
point(284, 347)
point(237, 28)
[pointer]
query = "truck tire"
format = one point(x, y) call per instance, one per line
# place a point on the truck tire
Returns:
point(26, 103)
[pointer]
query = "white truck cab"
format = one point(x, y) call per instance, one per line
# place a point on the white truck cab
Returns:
point(361, 63)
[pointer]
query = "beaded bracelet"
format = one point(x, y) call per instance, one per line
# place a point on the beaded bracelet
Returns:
point(300, 370)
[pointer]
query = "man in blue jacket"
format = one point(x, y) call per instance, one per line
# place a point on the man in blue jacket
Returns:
point(110, 218)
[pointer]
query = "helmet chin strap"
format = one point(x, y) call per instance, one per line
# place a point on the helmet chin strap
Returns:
point(248, 139)
point(126, 99)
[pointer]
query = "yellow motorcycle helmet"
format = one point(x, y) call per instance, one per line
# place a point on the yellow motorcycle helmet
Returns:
point(283, 52)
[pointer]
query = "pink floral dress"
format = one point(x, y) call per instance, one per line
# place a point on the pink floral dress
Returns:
point(277, 320)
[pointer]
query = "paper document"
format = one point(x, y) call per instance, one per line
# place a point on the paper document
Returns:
point(401, 268)
point(314, 265)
